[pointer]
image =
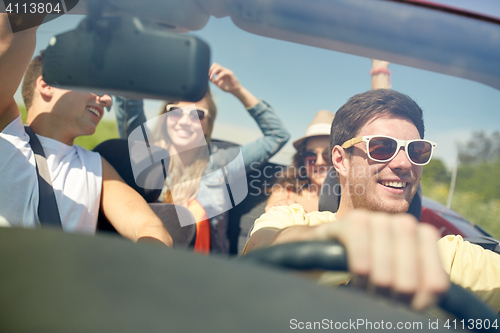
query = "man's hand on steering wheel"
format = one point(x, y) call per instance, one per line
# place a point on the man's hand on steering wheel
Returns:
point(391, 253)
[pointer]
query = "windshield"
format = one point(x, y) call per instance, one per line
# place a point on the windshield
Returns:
point(298, 80)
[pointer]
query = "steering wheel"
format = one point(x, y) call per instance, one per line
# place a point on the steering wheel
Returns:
point(332, 256)
point(77, 283)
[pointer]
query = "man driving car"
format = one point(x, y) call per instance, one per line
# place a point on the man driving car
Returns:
point(83, 182)
point(378, 151)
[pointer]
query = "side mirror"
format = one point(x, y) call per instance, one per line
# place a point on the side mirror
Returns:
point(128, 57)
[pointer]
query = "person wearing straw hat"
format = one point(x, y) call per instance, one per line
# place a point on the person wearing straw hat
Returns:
point(301, 183)
point(378, 151)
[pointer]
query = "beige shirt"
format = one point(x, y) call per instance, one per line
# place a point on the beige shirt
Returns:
point(469, 265)
point(472, 267)
point(280, 217)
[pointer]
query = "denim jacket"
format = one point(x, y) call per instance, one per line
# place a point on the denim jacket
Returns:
point(226, 165)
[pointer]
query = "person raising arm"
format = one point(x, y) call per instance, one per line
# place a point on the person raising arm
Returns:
point(194, 175)
point(83, 182)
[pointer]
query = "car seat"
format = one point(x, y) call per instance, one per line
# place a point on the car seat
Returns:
point(116, 152)
point(242, 217)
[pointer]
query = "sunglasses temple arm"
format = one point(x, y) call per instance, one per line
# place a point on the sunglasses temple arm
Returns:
point(352, 142)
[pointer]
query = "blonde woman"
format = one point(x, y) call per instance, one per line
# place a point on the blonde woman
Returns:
point(194, 176)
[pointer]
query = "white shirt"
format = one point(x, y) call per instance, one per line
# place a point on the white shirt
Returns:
point(76, 175)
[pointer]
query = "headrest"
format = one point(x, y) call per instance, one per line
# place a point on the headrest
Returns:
point(116, 152)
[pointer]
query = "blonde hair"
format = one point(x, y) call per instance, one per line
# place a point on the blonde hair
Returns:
point(185, 179)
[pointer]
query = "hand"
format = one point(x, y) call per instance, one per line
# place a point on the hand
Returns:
point(391, 253)
point(380, 81)
point(224, 78)
point(380, 64)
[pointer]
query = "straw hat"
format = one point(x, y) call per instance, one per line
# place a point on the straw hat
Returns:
point(320, 125)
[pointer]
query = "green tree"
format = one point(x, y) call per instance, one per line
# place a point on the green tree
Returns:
point(22, 110)
point(477, 190)
point(482, 179)
point(481, 147)
point(105, 130)
point(479, 169)
point(435, 172)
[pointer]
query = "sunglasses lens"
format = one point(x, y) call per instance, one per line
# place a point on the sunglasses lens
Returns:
point(199, 114)
point(309, 158)
point(420, 152)
point(174, 113)
point(382, 149)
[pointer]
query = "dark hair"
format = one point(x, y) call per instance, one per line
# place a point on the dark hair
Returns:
point(295, 177)
point(33, 72)
point(363, 107)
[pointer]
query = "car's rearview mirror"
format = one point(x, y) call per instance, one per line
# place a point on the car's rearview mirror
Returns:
point(128, 57)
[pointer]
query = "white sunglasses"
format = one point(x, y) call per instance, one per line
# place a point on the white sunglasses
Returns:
point(381, 148)
point(175, 112)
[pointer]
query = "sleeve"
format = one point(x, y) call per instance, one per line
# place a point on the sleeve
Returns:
point(281, 217)
point(472, 267)
point(129, 114)
point(275, 135)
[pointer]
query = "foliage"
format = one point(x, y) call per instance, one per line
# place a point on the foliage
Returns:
point(477, 191)
point(435, 172)
point(482, 147)
point(482, 179)
point(105, 130)
point(22, 110)
point(470, 205)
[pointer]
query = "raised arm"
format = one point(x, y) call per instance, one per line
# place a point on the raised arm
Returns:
point(16, 51)
point(381, 75)
point(225, 79)
point(127, 210)
point(275, 133)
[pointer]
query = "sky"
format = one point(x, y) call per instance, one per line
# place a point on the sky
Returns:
point(299, 80)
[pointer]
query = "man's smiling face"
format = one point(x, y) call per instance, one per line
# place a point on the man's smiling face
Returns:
point(388, 186)
point(69, 113)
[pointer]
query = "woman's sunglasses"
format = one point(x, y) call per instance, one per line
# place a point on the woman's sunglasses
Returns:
point(310, 157)
point(383, 148)
point(175, 112)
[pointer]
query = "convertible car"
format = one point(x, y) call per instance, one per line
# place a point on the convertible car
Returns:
point(55, 282)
